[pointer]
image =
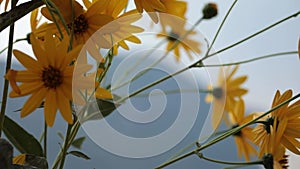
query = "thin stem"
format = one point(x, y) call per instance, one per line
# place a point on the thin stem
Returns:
point(174, 45)
point(253, 35)
point(135, 65)
point(227, 134)
point(254, 59)
point(219, 29)
point(8, 66)
point(45, 139)
point(200, 155)
point(18, 40)
point(176, 91)
point(65, 148)
point(166, 54)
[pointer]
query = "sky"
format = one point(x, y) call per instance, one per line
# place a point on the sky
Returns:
point(264, 76)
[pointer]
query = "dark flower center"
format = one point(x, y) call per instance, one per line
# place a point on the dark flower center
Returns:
point(80, 25)
point(52, 77)
point(173, 36)
point(217, 92)
point(239, 133)
point(268, 123)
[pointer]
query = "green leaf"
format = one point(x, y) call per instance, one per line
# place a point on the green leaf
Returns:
point(77, 143)
point(21, 139)
point(100, 110)
point(79, 154)
point(60, 135)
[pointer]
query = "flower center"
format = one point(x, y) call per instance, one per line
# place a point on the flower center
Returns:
point(52, 77)
point(173, 36)
point(217, 92)
point(80, 24)
point(239, 133)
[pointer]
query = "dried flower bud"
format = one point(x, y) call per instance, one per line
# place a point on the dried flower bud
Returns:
point(210, 10)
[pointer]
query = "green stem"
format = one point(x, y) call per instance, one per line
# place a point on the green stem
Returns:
point(8, 66)
point(219, 29)
point(45, 139)
point(227, 134)
point(177, 91)
point(253, 35)
point(65, 147)
point(254, 59)
point(71, 136)
point(200, 155)
point(175, 44)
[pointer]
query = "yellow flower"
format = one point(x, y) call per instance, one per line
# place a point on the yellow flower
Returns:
point(224, 96)
point(47, 79)
point(187, 44)
point(98, 14)
point(151, 7)
point(85, 23)
point(274, 153)
point(287, 122)
point(244, 138)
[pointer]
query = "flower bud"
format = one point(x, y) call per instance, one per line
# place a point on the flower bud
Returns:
point(210, 10)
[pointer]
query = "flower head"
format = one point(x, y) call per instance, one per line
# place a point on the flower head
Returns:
point(244, 138)
point(226, 94)
point(176, 41)
point(285, 121)
point(48, 79)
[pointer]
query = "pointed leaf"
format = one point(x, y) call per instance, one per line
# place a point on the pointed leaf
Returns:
point(21, 139)
point(77, 143)
point(79, 154)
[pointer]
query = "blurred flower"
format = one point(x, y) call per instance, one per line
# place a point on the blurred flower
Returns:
point(48, 79)
point(244, 138)
point(151, 7)
point(287, 122)
point(176, 41)
point(224, 96)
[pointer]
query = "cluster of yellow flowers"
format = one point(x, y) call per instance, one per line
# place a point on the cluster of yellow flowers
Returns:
point(56, 44)
point(71, 25)
point(272, 134)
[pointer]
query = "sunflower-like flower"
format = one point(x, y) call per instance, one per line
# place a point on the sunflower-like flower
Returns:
point(151, 7)
point(287, 120)
point(48, 79)
point(225, 95)
point(98, 14)
point(244, 138)
point(177, 41)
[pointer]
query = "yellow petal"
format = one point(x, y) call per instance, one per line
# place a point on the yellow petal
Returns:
point(33, 102)
point(102, 93)
point(20, 159)
point(64, 107)
point(26, 89)
point(50, 107)
point(27, 61)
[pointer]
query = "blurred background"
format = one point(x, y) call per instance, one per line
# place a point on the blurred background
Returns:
point(264, 78)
